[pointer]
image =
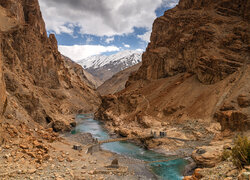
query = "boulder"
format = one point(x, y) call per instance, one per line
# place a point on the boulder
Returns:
point(115, 163)
point(209, 156)
point(61, 126)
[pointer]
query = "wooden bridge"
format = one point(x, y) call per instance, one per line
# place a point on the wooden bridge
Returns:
point(124, 139)
point(95, 146)
point(139, 137)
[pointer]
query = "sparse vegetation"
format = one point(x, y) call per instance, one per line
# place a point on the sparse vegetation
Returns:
point(226, 154)
point(241, 152)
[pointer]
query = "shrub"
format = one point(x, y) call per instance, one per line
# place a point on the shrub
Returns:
point(226, 154)
point(241, 152)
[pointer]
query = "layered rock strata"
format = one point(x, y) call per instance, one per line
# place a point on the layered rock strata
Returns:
point(194, 78)
point(117, 82)
point(40, 89)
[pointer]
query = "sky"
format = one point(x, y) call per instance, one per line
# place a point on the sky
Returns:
point(85, 28)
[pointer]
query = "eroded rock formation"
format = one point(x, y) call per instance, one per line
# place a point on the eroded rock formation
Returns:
point(207, 38)
point(117, 82)
point(194, 78)
point(77, 70)
point(39, 85)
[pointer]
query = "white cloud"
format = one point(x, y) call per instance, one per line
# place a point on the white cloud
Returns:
point(145, 37)
point(99, 17)
point(109, 40)
point(89, 40)
point(169, 3)
point(127, 45)
point(140, 50)
point(78, 52)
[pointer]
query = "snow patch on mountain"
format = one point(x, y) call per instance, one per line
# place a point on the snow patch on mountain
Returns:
point(128, 58)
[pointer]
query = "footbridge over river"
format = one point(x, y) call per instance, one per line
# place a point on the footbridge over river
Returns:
point(95, 146)
point(139, 137)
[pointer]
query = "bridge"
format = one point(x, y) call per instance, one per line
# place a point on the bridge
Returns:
point(124, 139)
point(95, 146)
point(139, 137)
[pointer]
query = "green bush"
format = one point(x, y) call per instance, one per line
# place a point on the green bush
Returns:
point(241, 152)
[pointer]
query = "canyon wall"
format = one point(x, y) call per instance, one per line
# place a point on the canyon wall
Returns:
point(194, 76)
point(207, 38)
point(40, 88)
point(117, 82)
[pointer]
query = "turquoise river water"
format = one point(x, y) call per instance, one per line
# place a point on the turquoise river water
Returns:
point(170, 170)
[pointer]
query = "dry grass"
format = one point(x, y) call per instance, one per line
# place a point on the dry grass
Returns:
point(241, 152)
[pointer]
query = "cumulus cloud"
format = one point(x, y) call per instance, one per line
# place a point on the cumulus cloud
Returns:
point(79, 52)
point(100, 17)
point(140, 50)
point(145, 37)
point(170, 3)
point(126, 45)
point(109, 40)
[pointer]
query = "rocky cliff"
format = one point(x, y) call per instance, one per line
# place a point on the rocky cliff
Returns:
point(194, 78)
point(118, 81)
point(77, 70)
point(40, 89)
point(207, 38)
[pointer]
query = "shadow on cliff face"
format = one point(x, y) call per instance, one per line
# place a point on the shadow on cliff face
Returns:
point(196, 64)
point(39, 85)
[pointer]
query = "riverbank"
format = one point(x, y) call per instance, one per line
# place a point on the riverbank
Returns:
point(166, 167)
point(134, 168)
point(65, 163)
point(53, 157)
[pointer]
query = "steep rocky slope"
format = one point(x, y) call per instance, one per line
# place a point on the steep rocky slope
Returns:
point(104, 67)
point(117, 82)
point(43, 93)
point(40, 89)
point(77, 70)
point(194, 78)
point(93, 79)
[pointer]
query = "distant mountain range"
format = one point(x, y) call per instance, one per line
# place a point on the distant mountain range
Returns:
point(104, 67)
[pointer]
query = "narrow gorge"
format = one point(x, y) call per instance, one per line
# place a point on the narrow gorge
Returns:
point(184, 104)
point(193, 81)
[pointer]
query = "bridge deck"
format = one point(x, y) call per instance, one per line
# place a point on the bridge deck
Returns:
point(139, 137)
point(124, 139)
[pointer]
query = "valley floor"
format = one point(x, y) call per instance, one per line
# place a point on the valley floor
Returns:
point(66, 163)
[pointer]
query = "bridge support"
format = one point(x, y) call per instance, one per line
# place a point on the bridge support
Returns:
point(94, 148)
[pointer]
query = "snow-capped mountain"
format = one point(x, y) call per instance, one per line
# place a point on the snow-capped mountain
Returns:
point(101, 60)
point(104, 67)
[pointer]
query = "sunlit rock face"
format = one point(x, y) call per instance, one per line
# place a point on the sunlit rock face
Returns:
point(195, 73)
point(208, 38)
point(40, 86)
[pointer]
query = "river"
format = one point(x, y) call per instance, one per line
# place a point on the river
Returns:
point(170, 170)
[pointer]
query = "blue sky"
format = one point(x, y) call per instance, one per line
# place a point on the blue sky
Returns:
point(90, 27)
